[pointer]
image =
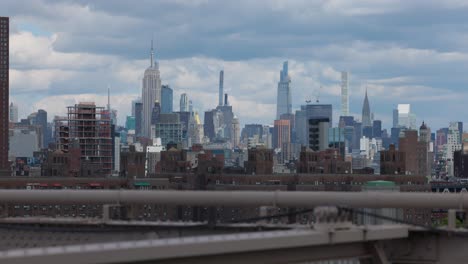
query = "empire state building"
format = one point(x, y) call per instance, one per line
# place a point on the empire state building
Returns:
point(151, 92)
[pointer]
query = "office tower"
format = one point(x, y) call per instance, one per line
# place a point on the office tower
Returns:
point(416, 149)
point(90, 128)
point(282, 139)
point(344, 94)
point(395, 118)
point(13, 113)
point(307, 112)
point(345, 121)
point(221, 87)
point(184, 103)
point(209, 125)
point(190, 107)
point(235, 132)
point(367, 132)
point(284, 104)
point(167, 98)
point(377, 129)
point(134, 102)
point(251, 130)
point(4, 95)
point(155, 113)
point(41, 121)
point(404, 115)
point(138, 119)
point(169, 129)
point(366, 114)
point(318, 133)
point(130, 123)
point(151, 93)
point(460, 131)
point(195, 130)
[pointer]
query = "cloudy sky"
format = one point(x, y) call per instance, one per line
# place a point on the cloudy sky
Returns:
point(413, 52)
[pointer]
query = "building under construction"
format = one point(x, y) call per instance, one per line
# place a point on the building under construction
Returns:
point(90, 126)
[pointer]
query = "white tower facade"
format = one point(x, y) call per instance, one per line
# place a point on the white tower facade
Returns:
point(184, 103)
point(13, 113)
point(151, 93)
point(344, 94)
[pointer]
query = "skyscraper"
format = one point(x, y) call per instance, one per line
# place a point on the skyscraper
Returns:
point(221, 87)
point(41, 120)
point(4, 95)
point(283, 103)
point(395, 118)
point(307, 112)
point(167, 98)
point(282, 139)
point(366, 115)
point(138, 118)
point(13, 113)
point(151, 93)
point(184, 103)
point(344, 94)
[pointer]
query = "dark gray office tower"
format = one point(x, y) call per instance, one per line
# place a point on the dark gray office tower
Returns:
point(395, 136)
point(395, 117)
point(357, 134)
point(41, 121)
point(308, 112)
point(138, 117)
point(250, 130)
point(460, 131)
point(367, 132)
point(318, 133)
point(156, 113)
point(377, 129)
point(208, 125)
point(346, 121)
point(167, 98)
point(4, 95)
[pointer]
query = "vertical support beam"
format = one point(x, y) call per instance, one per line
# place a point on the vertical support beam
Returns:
point(452, 219)
point(379, 254)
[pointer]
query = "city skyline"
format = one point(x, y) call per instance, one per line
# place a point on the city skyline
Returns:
point(46, 59)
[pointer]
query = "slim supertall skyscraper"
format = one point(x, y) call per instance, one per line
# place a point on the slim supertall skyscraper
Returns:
point(344, 94)
point(283, 101)
point(151, 93)
point(4, 95)
point(221, 87)
point(366, 115)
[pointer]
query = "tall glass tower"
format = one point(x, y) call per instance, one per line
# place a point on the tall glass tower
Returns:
point(167, 97)
point(283, 101)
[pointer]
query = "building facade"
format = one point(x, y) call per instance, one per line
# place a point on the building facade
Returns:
point(184, 103)
point(4, 94)
point(284, 104)
point(167, 98)
point(344, 94)
point(151, 93)
point(90, 126)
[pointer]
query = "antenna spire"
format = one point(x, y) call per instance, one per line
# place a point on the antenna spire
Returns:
point(108, 98)
point(152, 53)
